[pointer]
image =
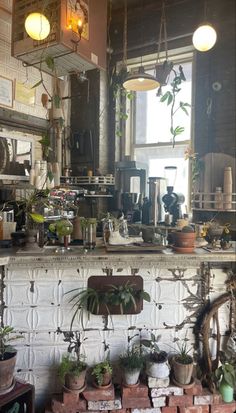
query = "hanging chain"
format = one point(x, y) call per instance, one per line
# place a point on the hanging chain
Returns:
point(125, 35)
point(162, 31)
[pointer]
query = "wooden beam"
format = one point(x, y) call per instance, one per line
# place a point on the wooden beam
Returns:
point(22, 121)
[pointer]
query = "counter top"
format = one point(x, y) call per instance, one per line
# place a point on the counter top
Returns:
point(79, 257)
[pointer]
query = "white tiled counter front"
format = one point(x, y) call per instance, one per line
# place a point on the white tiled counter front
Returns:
point(34, 302)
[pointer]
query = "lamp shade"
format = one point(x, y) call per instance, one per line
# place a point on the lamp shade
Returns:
point(204, 37)
point(140, 81)
point(37, 26)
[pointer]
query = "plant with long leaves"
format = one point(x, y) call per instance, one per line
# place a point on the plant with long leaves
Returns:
point(226, 372)
point(170, 98)
point(125, 296)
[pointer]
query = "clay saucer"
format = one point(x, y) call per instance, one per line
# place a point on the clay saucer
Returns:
point(75, 391)
point(5, 391)
point(184, 386)
point(183, 250)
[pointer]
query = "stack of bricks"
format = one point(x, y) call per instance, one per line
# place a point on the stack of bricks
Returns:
point(154, 398)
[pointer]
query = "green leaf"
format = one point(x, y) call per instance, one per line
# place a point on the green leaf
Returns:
point(170, 99)
point(38, 218)
point(145, 296)
point(165, 97)
point(146, 343)
point(50, 62)
point(37, 84)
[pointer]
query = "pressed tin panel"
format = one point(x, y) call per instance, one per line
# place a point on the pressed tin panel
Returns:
point(42, 310)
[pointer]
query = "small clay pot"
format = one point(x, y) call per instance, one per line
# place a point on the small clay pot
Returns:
point(184, 239)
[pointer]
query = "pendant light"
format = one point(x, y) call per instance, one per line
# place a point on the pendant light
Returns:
point(139, 81)
point(204, 37)
point(37, 26)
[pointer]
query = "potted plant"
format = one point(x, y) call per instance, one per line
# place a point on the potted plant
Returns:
point(72, 371)
point(157, 361)
point(183, 365)
point(103, 374)
point(7, 358)
point(131, 363)
point(226, 375)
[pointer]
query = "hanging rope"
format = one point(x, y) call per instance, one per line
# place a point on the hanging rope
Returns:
point(162, 33)
point(125, 35)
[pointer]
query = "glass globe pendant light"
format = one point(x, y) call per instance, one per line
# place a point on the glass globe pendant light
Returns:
point(37, 26)
point(205, 36)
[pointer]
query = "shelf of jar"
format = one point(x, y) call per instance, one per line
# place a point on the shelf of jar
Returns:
point(88, 180)
point(213, 201)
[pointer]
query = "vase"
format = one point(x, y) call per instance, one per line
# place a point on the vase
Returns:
point(131, 377)
point(226, 391)
point(228, 188)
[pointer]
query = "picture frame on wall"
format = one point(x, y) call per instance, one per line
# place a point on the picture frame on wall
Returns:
point(6, 92)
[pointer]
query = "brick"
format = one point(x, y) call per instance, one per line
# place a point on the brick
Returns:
point(133, 403)
point(194, 409)
point(217, 398)
point(223, 408)
point(168, 409)
point(69, 398)
point(60, 407)
point(93, 394)
point(156, 383)
point(159, 401)
point(205, 398)
point(196, 390)
point(140, 391)
point(184, 400)
point(148, 410)
point(118, 411)
point(105, 405)
point(167, 391)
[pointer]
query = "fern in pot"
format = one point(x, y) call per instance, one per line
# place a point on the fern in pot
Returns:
point(103, 374)
point(131, 363)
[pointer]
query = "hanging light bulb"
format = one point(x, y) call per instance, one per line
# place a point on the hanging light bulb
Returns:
point(37, 26)
point(204, 37)
point(140, 81)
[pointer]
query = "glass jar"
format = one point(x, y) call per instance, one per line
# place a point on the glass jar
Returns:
point(218, 198)
point(89, 228)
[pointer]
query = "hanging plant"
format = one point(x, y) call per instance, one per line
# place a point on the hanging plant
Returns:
point(170, 98)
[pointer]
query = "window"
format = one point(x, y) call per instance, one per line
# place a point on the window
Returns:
point(151, 131)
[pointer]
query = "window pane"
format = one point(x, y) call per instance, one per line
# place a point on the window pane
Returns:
point(157, 158)
point(152, 123)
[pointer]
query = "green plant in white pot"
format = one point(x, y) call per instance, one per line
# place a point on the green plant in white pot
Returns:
point(156, 361)
point(131, 363)
point(7, 357)
point(226, 376)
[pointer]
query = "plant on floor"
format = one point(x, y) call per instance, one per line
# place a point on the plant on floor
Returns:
point(170, 98)
point(102, 373)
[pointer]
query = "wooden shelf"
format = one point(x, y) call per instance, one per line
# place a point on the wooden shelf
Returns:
point(213, 209)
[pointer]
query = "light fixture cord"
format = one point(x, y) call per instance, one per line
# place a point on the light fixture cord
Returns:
point(125, 35)
point(164, 30)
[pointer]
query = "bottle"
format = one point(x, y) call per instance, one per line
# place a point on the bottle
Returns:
point(56, 173)
point(1, 227)
point(228, 187)
point(32, 176)
point(218, 198)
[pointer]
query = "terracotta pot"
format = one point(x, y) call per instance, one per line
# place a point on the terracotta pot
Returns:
point(7, 372)
point(106, 381)
point(73, 382)
point(182, 372)
point(184, 239)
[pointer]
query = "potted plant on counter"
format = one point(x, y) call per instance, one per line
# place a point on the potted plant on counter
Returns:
point(72, 371)
point(157, 361)
point(131, 363)
point(7, 358)
point(103, 374)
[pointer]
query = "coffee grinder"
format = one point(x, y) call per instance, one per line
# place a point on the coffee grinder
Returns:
point(172, 200)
